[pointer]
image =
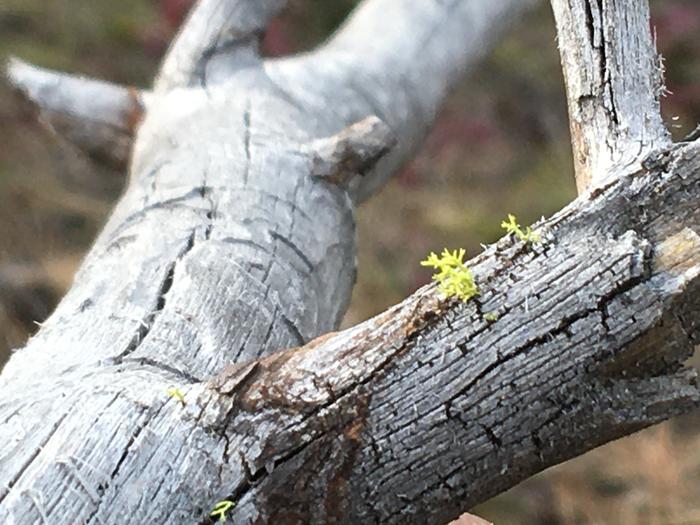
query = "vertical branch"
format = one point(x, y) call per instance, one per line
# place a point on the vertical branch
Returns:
point(613, 78)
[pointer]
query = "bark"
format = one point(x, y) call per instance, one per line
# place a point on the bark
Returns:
point(235, 238)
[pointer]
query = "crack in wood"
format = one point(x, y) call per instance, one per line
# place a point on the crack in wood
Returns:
point(246, 140)
point(147, 323)
point(5, 491)
point(148, 362)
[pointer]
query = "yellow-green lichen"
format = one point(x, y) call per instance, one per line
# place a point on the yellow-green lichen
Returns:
point(511, 225)
point(454, 278)
point(177, 394)
point(221, 508)
point(491, 317)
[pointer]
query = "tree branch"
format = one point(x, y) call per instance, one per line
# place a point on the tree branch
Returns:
point(413, 416)
point(396, 60)
point(228, 246)
point(614, 79)
point(340, 83)
point(218, 38)
point(97, 117)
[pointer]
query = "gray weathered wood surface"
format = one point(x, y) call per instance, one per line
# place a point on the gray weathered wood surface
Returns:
point(98, 117)
point(235, 238)
point(614, 80)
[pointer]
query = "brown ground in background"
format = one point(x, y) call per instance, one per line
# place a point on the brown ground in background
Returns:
point(500, 146)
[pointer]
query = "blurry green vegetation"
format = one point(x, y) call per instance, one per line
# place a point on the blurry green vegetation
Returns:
point(96, 37)
point(500, 146)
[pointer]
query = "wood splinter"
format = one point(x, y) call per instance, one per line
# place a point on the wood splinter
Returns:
point(353, 151)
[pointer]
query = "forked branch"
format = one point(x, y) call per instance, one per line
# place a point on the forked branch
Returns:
point(229, 245)
point(371, 66)
point(398, 60)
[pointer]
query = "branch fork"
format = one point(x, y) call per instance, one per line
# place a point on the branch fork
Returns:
point(225, 248)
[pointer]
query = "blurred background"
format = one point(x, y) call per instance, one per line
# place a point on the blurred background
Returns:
point(501, 145)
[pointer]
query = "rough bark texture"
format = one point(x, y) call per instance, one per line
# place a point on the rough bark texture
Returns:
point(412, 416)
point(235, 238)
point(614, 79)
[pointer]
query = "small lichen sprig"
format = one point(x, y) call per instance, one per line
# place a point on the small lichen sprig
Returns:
point(491, 317)
point(455, 279)
point(511, 226)
point(221, 508)
point(177, 394)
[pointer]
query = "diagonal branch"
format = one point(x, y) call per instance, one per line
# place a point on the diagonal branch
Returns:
point(396, 60)
point(413, 416)
point(229, 244)
point(614, 79)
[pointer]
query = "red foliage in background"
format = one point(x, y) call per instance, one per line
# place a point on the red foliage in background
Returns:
point(278, 37)
point(676, 26)
point(173, 12)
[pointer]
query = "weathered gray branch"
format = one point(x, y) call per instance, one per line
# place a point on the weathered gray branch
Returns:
point(614, 79)
point(412, 416)
point(396, 60)
point(370, 67)
point(97, 117)
point(230, 244)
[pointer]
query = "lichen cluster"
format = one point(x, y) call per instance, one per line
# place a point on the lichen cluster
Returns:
point(455, 279)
